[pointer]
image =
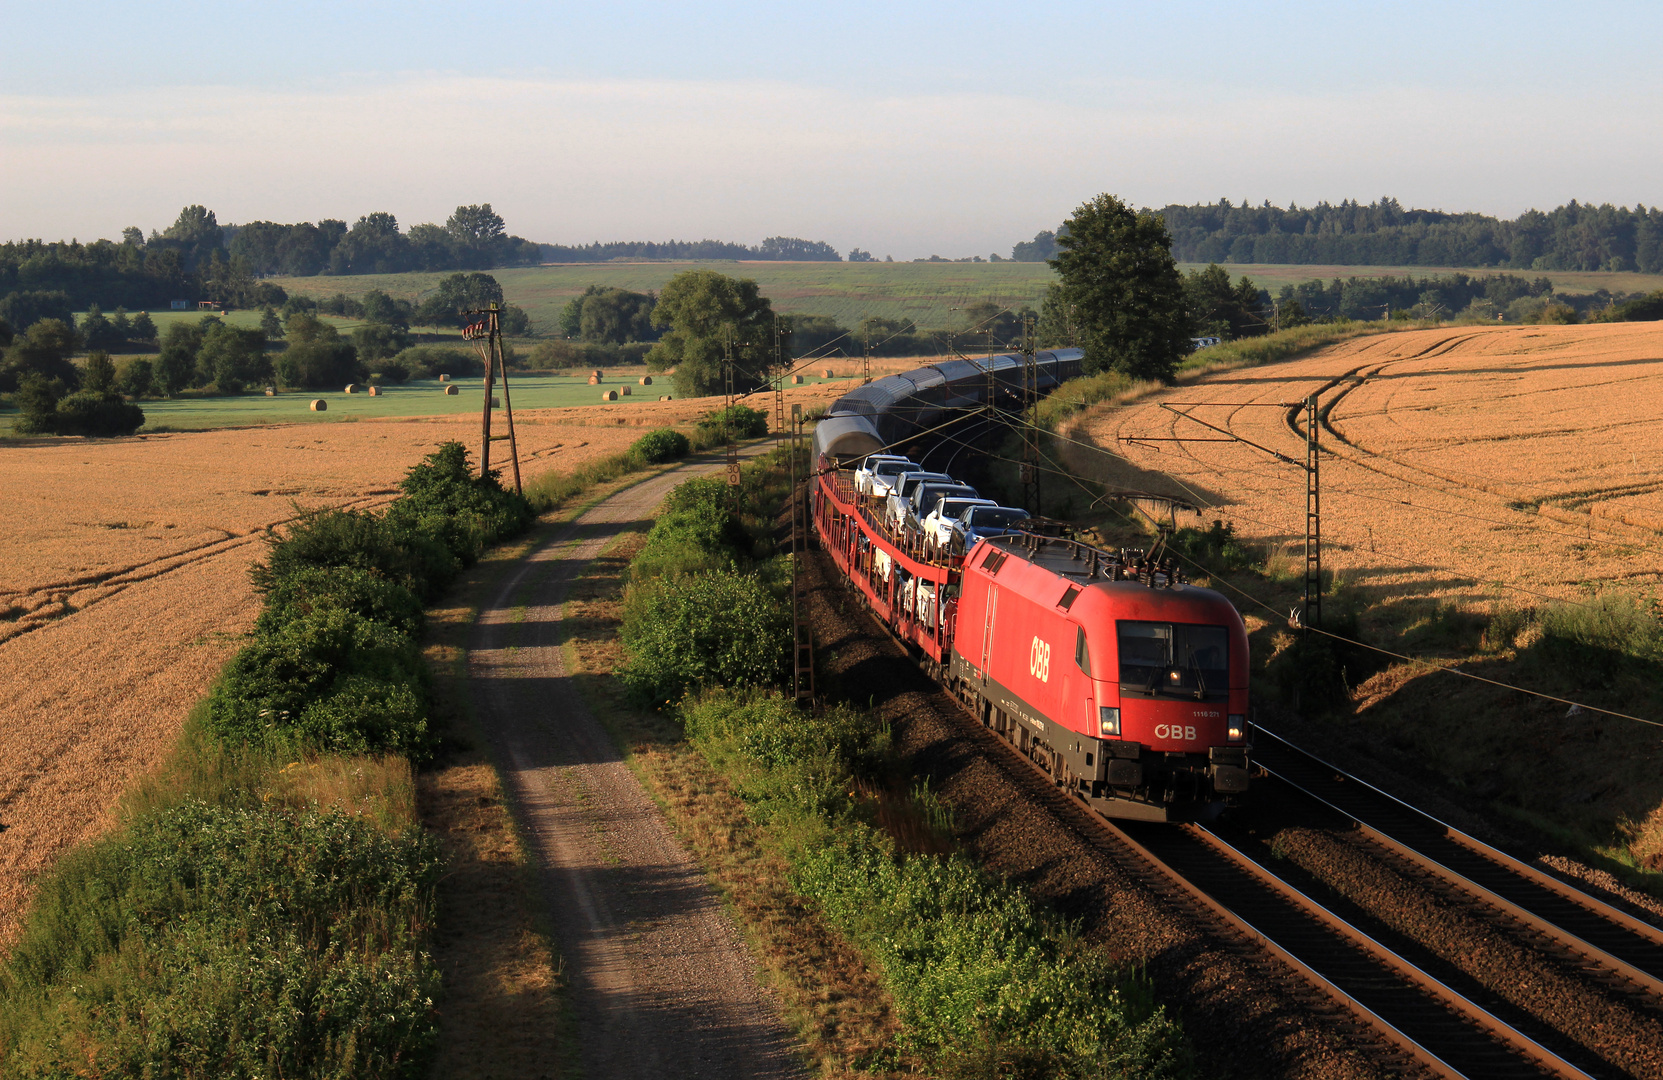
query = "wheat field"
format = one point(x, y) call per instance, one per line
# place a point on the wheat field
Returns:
point(1457, 461)
point(124, 584)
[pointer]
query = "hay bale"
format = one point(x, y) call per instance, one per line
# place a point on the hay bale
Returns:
point(594, 380)
point(444, 378)
point(451, 391)
point(796, 380)
point(646, 380)
point(271, 391)
point(496, 403)
point(826, 373)
point(597, 374)
point(626, 391)
point(354, 388)
point(320, 405)
point(375, 391)
point(664, 397)
point(609, 395)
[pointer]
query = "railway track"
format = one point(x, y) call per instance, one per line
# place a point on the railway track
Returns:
point(1627, 949)
point(1422, 1015)
point(1422, 1019)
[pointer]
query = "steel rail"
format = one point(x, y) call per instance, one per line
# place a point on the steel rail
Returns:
point(1356, 960)
point(1606, 936)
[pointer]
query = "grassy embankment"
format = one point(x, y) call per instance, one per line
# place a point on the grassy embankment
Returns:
point(892, 953)
point(266, 904)
point(1586, 781)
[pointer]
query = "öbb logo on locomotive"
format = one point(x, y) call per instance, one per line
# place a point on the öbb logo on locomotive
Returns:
point(1146, 715)
point(1039, 660)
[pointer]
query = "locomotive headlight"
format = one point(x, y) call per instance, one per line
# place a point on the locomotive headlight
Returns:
point(1108, 721)
point(1238, 728)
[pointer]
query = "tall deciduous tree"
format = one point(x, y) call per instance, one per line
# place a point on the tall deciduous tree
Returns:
point(707, 315)
point(1123, 289)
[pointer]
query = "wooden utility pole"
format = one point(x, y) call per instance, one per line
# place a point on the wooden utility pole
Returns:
point(486, 334)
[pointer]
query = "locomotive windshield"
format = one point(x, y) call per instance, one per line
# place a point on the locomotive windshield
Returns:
point(1174, 659)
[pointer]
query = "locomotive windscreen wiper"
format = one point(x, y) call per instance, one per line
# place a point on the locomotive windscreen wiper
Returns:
point(1200, 681)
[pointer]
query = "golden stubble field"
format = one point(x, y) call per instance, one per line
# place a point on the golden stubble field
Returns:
point(1454, 461)
point(124, 584)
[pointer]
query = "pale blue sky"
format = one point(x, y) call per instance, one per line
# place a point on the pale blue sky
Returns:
point(907, 129)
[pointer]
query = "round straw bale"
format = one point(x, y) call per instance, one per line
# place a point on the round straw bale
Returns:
point(627, 391)
point(271, 391)
point(646, 380)
point(451, 391)
point(597, 374)
point(826, 374)
point(320, 405)
point(375, 391)
point(594, 380)
point(496, 403)
point(796, 380)
point(664, 397)
point(609, 395)
point(444, 378)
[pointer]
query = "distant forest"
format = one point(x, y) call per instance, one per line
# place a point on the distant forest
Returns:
point(775, 248)
point(1576, 236)
point(197, 258)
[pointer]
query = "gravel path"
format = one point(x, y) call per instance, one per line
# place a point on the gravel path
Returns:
point(662, 982)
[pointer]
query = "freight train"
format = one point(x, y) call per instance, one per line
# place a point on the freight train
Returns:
point(1106, 668)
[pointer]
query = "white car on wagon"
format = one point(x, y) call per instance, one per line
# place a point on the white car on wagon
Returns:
point(877, 473)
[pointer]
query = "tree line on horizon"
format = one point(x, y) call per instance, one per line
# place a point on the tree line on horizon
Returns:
point(1576, 236)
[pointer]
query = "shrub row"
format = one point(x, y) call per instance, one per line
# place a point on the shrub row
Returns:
point(214, 941)
point(983, 980)
point(264, 919)
point(977, 970)
point(334, 664)
point(704, 607)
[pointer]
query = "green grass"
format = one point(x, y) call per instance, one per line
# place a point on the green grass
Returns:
point(421, 397)
point(931, 294)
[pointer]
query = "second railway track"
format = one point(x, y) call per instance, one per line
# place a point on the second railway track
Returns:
point(1419, 1013)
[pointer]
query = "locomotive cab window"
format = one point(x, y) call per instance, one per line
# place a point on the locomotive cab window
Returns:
point(1174, 659)
point(1082, 655)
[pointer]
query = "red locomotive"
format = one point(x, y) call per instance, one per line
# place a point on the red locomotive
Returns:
point(1127, 684)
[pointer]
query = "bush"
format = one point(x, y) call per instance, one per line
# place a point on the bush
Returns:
point(972, 962)
point(742, 421)
point(660, 445)
point(332, 680)
point(431, 361)
point(136, 378)
point(780, 758)
point(315, 589)
point(318, 363)
point(96, 413)
point(356, 539)
point(203, 940)
point(691, 631)
point(445, 501)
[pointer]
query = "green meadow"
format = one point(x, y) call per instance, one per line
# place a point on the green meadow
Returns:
point(419, 397)
point(930, 294)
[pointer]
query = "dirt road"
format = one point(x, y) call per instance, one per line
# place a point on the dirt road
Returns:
point(662, 982)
